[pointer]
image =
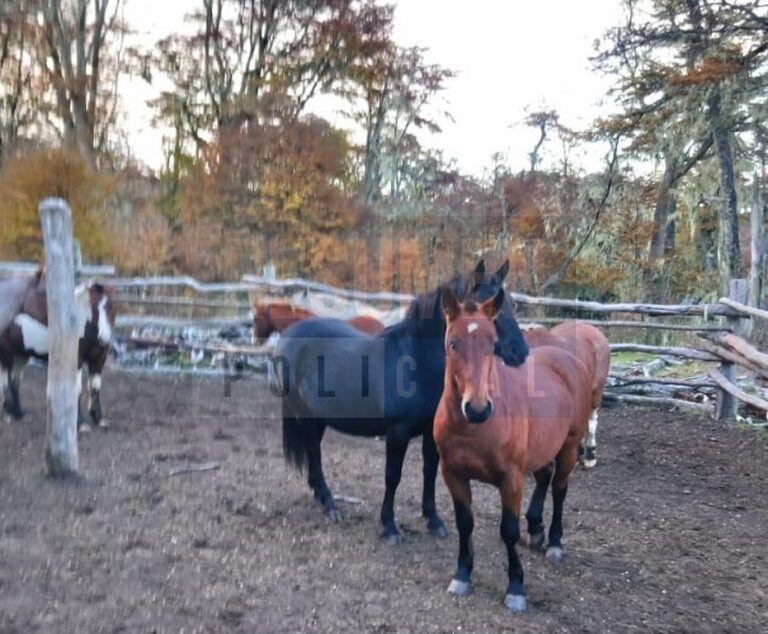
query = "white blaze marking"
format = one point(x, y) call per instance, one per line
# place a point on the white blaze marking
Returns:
point(105, 330)
point(96, 382)
point(33, 334)
point(472, 326)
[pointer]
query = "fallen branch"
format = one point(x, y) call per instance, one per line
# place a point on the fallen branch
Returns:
point(659, 402)
point(627, 380)
point(194, 468)
point(173, 344)
point(678, 351)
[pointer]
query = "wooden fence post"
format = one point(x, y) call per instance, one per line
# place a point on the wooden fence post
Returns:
point(726, 403)
point(61, 454)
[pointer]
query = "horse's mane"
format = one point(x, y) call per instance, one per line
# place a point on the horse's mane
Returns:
point(423, 307)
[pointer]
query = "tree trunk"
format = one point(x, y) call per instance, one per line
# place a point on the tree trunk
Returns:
point(729, 254)
point(757, 244)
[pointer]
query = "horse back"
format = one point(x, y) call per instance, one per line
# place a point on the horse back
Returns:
point(592, 347)
point(559, 397)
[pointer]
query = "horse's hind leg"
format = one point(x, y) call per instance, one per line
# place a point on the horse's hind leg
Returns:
point(428, 507)
point(316, 478)
point(397, 445)
point(535, 513)
point(588, 450)
point(564, 464)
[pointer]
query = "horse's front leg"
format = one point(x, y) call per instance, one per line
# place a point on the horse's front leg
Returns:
point(511, 490)
point(397, 445)
point(428, 506)
point(12, 404)
point(535, 513)
point(461, 493)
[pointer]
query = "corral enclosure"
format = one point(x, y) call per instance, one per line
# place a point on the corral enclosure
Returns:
point(665, 534)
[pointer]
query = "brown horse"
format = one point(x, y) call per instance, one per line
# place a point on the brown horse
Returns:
point(367, 324)
point(275, 317)
point(496, 423)
point(588, 345)
point(27, 336)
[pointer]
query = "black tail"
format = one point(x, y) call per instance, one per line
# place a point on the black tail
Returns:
point(294, 444)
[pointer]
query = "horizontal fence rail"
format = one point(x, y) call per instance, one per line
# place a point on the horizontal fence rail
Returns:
point(720, 340)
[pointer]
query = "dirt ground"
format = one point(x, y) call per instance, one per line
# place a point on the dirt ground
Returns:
point(667, 534)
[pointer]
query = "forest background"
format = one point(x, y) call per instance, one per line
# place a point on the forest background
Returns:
point(252, 175)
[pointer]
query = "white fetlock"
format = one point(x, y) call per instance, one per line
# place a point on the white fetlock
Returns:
point(555, 554)
point(515, 603)
point(459, 588)
point(104, 423)
point(85, 428)
point(589, 463)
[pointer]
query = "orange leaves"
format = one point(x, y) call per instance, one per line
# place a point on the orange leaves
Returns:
point(28, 178)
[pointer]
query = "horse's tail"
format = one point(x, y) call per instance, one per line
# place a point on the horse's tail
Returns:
point(294, 445)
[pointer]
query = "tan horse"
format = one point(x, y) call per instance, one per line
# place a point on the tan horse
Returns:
point(589, 345)
point(496, 423)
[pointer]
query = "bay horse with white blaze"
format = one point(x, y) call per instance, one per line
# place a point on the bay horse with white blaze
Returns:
point(331, 375)
point(496, 423)
point(27, 336)
point(590, 346)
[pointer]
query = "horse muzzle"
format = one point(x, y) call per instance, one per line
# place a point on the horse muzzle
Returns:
point(477, 416)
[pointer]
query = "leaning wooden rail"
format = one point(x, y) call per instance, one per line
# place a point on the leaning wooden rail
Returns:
point(743, 308)
point(651, 325)
point(736, 391)
point(702, 310)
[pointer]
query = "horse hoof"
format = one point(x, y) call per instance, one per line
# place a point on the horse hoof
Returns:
point(515, 603)
point(536, 542)
point(85, 428)
point(589, 463)
point(334, 515)
point(392, 539)
point(555, 555)
point(438, 531)
point(459, 588)
point(103, 424)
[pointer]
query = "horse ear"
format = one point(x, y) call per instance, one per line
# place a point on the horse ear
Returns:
point(492, 306)
point(449, 303)
point(479, 274)
point(502, 272)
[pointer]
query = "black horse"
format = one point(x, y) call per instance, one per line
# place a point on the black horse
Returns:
point(330, 375)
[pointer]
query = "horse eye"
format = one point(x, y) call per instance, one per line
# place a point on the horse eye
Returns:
point(453, 344)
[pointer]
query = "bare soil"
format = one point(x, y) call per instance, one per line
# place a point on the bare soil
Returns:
point(667, 534)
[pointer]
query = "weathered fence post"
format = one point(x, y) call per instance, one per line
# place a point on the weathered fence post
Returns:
point(726, 403)
point(61, 453)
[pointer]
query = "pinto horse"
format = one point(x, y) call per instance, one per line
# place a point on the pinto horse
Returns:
point(27, 336)
point(496, 423)
point(331, 375)
point(588, 345)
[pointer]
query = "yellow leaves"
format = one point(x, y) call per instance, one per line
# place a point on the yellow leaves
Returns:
point(28, 178)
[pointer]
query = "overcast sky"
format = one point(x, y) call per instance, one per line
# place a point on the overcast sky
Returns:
point(510, 57)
